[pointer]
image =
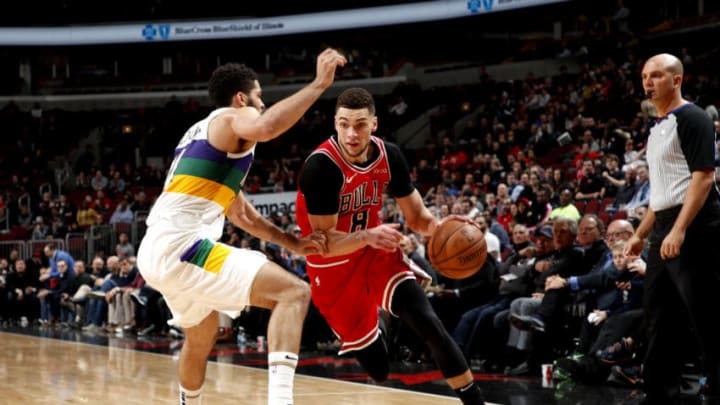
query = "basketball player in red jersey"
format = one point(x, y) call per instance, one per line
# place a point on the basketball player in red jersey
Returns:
point(340, 192)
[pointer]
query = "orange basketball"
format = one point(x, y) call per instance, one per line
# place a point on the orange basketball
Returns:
point(457, 249)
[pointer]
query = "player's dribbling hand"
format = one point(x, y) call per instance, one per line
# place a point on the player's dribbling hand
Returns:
point(462, 218)
point(327, 62)
point(450, 217)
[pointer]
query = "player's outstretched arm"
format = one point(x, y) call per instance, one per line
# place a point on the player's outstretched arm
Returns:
point(244, 215)
point(249, 124)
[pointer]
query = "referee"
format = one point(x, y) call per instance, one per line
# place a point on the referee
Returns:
point(683, 225)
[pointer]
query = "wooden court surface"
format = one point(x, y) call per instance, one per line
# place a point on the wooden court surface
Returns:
point(35, 370)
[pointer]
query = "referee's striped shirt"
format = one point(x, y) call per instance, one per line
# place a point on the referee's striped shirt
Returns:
point(680, 143)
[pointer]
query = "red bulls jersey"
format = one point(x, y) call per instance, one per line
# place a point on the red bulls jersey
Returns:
point(360, 197)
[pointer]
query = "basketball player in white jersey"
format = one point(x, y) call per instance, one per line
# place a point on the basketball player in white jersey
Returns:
point(180, 254)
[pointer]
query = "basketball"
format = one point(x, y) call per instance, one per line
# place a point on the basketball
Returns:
point(457, 248)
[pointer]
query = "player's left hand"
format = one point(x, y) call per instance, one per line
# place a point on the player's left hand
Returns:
point(670, 247)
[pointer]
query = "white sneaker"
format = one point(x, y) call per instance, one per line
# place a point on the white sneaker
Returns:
point(24, 322)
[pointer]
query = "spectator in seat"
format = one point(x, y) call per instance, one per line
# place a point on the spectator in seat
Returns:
point(590, 185)
point(626, 190)
point(86, 216)
point(21, 286)
point(491, 241)
point(61, 307)
point(24, 219)
point(97, 307)
point(612, 176)
point(40, 229)
point(566, 208)
point(124, 249)
point(122, 214)
point(76, 298)
point(121, 308)
point(99, 181)
point(641, 197)
point(540, 208)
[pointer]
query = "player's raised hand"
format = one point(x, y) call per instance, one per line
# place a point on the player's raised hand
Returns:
point(327, 62)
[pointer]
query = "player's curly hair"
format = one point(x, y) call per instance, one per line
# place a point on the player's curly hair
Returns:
point(229, 79)
point(356, 98)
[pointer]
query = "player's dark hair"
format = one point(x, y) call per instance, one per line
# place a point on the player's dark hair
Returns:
point(356, 98)
point(229, 79)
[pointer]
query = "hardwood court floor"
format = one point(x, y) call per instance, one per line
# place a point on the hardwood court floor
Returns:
point(56, 366)
point(36, 370)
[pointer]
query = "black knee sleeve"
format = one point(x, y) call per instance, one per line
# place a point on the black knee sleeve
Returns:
point(374, 359)
point(412, 307)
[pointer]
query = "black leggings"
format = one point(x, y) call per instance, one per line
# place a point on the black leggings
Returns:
point(410, 304)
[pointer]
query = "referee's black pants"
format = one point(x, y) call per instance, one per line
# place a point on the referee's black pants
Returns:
point(681, 302)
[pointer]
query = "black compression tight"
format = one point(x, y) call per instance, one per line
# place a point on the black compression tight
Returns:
point(412, 307)
point(374, 359)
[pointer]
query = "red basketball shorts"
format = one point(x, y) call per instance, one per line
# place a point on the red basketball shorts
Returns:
point(349, 293)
